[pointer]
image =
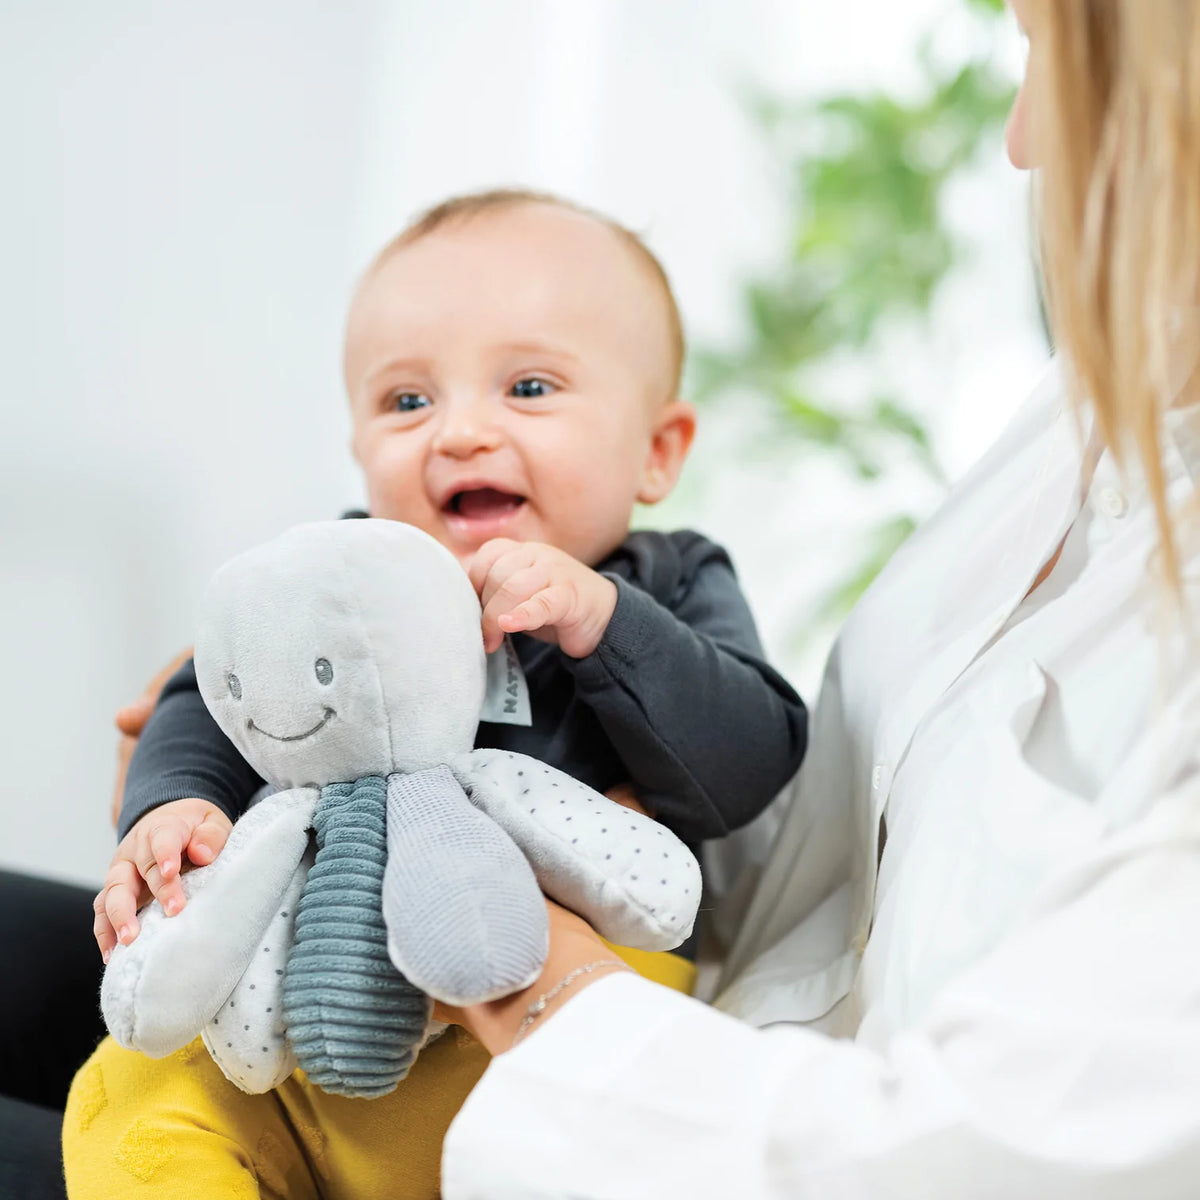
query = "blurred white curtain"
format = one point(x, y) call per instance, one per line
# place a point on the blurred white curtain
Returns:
point(175, 227)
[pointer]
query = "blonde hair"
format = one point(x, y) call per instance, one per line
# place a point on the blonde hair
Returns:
point(1118, 140)
point(463, 208)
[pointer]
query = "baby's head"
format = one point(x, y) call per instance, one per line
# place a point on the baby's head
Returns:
point(512, 364)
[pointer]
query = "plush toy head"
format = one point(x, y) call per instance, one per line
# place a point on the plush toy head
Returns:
point(343, 649)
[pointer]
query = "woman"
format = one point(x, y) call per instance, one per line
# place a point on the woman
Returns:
point(1016, 705)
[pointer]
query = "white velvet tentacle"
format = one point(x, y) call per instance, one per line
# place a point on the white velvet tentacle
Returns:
point(160, 992)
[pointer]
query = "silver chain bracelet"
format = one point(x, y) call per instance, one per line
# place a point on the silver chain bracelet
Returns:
point(539, 1005)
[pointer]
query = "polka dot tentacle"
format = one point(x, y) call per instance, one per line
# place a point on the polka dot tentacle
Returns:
point(634, 880)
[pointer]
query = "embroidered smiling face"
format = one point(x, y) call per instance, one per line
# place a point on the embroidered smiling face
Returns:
point(324, 672)
point(340, 650)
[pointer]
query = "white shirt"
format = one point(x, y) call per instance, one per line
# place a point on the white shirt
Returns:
point(1026, 1015)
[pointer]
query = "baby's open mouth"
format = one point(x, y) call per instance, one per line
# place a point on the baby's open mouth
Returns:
point(483, 504)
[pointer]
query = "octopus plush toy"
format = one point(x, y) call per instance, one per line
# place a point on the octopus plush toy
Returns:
point(393, 863)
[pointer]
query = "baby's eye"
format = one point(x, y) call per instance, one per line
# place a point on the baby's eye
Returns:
point(408, 401)
point(235, 685)
point(324, 670)
point(531, 389)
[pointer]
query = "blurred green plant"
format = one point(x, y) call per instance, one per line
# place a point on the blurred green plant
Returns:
point(867, 248)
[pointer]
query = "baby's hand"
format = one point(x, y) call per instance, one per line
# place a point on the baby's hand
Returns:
point(529, 587)
point(148, 863)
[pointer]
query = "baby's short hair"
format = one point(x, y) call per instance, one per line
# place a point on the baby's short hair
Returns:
point(472, 204)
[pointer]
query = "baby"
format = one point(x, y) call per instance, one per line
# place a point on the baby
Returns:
point(512, 364)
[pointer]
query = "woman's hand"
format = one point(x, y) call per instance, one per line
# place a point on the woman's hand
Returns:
point(131, 720)
point(573, 944)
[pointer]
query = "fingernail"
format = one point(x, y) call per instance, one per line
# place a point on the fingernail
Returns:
point(106, 956)
point(123, 934)
point(172, 906)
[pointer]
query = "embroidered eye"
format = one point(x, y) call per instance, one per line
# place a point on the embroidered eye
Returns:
point(235, 685)
point(324, 670)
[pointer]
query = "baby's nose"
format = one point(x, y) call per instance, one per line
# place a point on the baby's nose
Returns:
point(466, 430)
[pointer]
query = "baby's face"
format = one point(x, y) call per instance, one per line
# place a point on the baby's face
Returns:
point(510, 375)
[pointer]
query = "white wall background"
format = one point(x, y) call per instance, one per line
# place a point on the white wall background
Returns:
point(188, 192)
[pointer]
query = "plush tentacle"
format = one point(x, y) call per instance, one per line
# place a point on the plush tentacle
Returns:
point(248, 1037)
point(160, 992)
point(465, 916)
point(354, 1021)
point(634, 880)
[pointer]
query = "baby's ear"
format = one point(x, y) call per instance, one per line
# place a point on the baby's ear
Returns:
point(670, 440)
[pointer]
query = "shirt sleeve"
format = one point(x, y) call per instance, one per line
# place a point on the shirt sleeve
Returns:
point(1065, 1065)
point(709, 732)
point(182, 753)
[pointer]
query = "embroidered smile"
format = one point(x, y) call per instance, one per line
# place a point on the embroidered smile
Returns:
point(293, 737)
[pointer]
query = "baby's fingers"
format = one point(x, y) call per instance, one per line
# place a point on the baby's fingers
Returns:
point(102, 927)
point(116, 906)
point(166, 848)
point(485, 560)
point(549, 606)
point(208, 838)
point(543, 609)
point(159, 864)
point(516, 591)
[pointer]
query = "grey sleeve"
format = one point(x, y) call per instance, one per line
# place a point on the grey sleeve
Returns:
point(708, 730)
point(181, 753)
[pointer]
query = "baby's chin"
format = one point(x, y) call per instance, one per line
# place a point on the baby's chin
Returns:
point(463, 550)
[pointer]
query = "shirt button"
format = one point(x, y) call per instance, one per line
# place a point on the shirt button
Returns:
point(1112, 502)
point(877, 776)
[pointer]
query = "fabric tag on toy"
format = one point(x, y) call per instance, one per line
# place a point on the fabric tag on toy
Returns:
point(506, 701)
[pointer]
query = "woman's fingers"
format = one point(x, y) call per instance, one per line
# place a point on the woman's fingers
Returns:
point(573, 943)
point(624, 795)
point(131, 720)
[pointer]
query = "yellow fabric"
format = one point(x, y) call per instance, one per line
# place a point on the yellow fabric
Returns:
point(668, 969)
point(175, 1128)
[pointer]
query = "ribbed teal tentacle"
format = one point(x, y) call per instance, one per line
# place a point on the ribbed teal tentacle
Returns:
point(352, 1018)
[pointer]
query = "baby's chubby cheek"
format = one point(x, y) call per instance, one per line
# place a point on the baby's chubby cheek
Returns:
point(394, 493)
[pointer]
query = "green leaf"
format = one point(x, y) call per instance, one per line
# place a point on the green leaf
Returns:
point(865, 252)
point(993, 8)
